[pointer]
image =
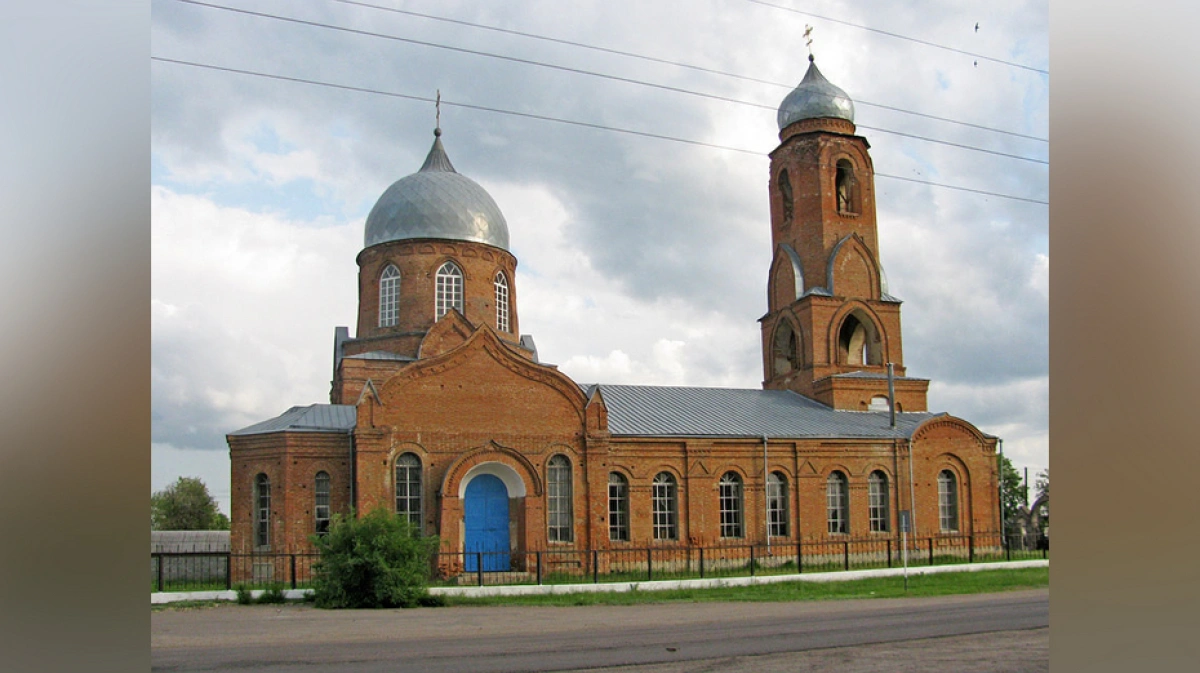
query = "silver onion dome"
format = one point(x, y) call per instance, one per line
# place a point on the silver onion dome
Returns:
point(436, 202)
point(815, 97)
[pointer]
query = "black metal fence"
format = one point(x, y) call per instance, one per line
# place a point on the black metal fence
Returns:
point(200, 571)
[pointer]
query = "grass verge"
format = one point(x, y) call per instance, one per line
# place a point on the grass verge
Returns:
point(940, 584)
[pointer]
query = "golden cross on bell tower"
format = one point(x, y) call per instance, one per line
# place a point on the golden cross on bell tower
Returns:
point(808, 40)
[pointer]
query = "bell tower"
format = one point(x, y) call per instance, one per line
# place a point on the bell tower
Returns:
point(831, 327)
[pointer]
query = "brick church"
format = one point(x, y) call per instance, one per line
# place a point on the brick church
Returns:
point(441, 411)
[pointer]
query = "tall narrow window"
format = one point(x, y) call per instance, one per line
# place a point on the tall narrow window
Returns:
point(847, 188)
point(321, 502)
point(262, 512)
point(559, 492)
point(449, 289)
point(408, 488)
point(777, 505)
point(785, 195)
point(665, 502)
point(877, 506)
point(947, 501)
point(502, 302)
point(836, 497)
point(618, 507)
point(730, 488)
point(389, 296)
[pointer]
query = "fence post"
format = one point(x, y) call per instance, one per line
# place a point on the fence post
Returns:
point(971, 551)
point(889, 553)
point(1007, 548)
point(293, 571)
point(160, 571)
point(799, 557)
point(752, 560)
point(479, 566)
point(930, 551)
point(846, 554)
point(595, 566)
point(228, 570)
point(538, 557)
point(649, 564)
point(702, 563)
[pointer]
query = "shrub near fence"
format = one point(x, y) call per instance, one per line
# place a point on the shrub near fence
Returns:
point(201, 571)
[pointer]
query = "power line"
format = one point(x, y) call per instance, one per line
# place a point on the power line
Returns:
point(579, 71)
point(680, 64)
point(558, 120)
point(903, 37)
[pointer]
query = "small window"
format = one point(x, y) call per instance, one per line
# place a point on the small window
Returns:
point(879, 403)
point(785, 196)
point(618, 508)
point(262, 513)
point(449, 289)
point(947, 501)
point(389, 296)
point(787, 349)
point(730, 488)
point(559, 494)
point(408, 488)
point(877, 508)
point(321, 504)
point(847, 188)
point(836, 499)
point(777, 505)
point(502, 302)
point(665, 503)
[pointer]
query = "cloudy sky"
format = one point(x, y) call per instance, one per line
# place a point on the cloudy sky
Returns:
point(642, 258)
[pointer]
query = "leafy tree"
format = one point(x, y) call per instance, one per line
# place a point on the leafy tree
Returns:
point(1012, 494)
point(186, 505)
point(1042, 482)
point(375, 561)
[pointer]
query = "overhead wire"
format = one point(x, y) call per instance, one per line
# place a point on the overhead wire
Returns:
point(680, 64)
point(580, 71)
point(902, 37)
point(571, 122)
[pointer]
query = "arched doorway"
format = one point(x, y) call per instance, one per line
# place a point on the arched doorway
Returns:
point(485, 518)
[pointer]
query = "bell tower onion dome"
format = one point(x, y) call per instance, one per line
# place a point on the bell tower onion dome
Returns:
point(815, 97)
point(436, 202)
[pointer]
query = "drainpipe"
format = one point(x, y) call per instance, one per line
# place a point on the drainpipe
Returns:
point(766, 494)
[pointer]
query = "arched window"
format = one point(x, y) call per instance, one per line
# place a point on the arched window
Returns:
point(559, 510)
point(730, 488)
point(502, 302)
point(618, 507)
point(389, 296)
point(947, 501)
point(777, 505)
point(665, 503)
point(877, 506)
point(321, 502)
point(847, 188)
point(857, 342)
point(837, 495)
point(785, 195)
point(408, 488)
point(787, 348)
point(449, 289)
point(262, 512)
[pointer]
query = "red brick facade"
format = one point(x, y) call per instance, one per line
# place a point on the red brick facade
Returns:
point(465, 400)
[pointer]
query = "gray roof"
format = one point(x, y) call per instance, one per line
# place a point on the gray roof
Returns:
point(381, 355)
point(725, 412)
point(312, 418)
point(178, 541)
point(814, 97)
point(872, 375)
point(436, 202)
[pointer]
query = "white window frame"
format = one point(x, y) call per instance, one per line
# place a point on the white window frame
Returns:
point(262, 512)
point(560, 524)
point(389, 296)
point(664, 496)
point(448, 290)
point(618, 507)
point(408, 486)
point(777, 505)
point(837, 497)
point(878, 502)
point(502, 305)
point(731, 505)
point(947, 501)
point(321, 491)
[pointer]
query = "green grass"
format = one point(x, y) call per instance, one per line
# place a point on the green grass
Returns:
point(940, 584)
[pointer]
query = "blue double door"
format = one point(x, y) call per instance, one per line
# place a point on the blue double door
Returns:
point(486, 517)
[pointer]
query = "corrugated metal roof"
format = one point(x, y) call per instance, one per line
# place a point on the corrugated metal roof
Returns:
point(726, 412)
point(312, 418)
point(381, 355)
point(177, 541)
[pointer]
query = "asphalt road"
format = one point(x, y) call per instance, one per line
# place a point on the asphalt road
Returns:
point(987, 632)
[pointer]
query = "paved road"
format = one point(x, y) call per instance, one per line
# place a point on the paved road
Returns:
point(990, 632)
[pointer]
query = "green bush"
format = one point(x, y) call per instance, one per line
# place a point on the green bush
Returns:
point(273, 594)
point(243, 594)
point(374, 561)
